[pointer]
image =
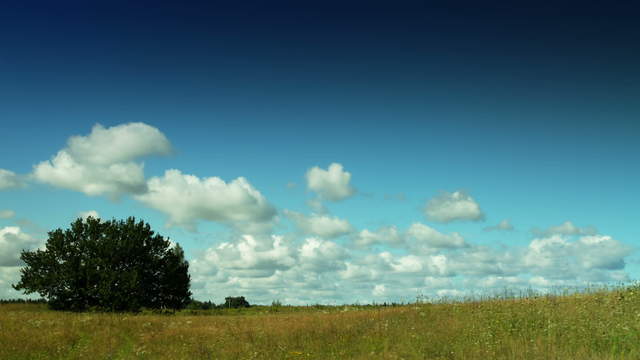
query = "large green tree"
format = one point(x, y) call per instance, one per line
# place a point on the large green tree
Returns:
point(107, 265)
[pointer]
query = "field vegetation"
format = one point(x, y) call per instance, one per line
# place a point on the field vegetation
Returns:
point(604, 324)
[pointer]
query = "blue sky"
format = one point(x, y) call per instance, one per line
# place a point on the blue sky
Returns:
point(442, 121)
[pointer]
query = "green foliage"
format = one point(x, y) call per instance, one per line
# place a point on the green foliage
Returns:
point(108, 266)
point(200, 305)
point(235, 302)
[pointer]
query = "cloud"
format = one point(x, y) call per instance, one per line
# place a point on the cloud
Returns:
point(388, 235)
point(428, 238)
point(331, 184)
point(566, 228)
point(325, 226)
point(360, 272)
point(12, 242)
point(314, 270)
point(102, 163)
point(321, 255)
point(379, 290)
point(455, 206)
point(7, 214)
point(556, 256)
point(85, 214)
point(480, 261)
point(504, 225)
point(248, 256)
point(317, 206)
point(188, 198)
point(9, 180)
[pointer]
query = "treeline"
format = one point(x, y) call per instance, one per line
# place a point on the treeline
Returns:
point(229, 303)
point(23, 301)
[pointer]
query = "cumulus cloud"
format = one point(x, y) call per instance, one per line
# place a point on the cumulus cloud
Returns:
point(504, 225)
point(480, 261)
point(325, 226)
point(557, 256)
point(188, 198)
point(331, 184)
point(102, 163)
point(321, 255)
point(12, 242)
point(388, 235)
point(9, 180)
point(427, 237)
point(566, 228)
point(456, 206)
point(7, 214)
point(319, 270)
point(249, 256)
point(360, 272)
point(90, 213)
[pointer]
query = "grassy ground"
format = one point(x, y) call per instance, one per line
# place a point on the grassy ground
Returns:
point(603, 325)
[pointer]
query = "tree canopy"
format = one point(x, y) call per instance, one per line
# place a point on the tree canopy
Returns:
point(107, 265)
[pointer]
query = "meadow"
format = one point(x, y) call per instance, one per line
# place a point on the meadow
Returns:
point(602, 324)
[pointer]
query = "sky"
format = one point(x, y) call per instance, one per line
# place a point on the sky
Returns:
point(333, 152)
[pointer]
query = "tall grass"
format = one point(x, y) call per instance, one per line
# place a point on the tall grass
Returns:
point(597, 325)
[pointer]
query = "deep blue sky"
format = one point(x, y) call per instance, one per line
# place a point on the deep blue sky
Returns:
point(532, 110)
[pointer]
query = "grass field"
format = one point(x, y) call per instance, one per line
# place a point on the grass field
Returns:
point(600, 325)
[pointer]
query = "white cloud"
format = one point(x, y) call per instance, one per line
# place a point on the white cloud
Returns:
point(321, 271)
point(187, 199)
point(317, 206)
point(504, 225)
point(448, 207)
point(12, 242)
point(9, 180)
point(102, 163)
point(90, 213)
point(480, 261)
point(7, 214)
point(388, 235)
point(325, 226)
point(558, 257)
point(118, 144)
point(403, 264)
point(566, 228)
point(249, 256)
point(426, 237)
point(10, 275)
point(433, 282)
point(331, 184)
point(450, 293)
point(504, 282)
point(321, 255)
point(357, 272)
point(379, 290)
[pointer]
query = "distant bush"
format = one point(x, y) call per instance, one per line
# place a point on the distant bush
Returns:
point(200, 305)
point(235, 302)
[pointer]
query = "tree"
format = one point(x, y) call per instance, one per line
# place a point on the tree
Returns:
point(107, 265)
point(235, 302)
